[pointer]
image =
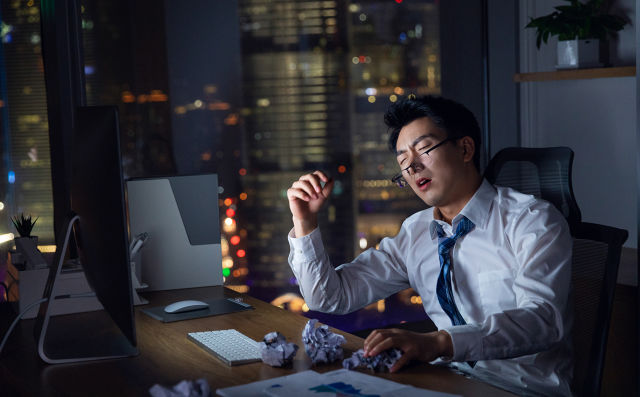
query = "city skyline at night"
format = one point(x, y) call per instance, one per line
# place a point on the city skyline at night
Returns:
point(297, 86)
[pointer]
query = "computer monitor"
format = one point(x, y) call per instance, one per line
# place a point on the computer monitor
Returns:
point(99, 225)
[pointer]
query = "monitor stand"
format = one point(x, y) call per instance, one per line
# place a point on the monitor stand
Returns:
point(76, 337)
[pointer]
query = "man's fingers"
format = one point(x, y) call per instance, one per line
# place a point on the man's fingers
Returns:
point(384, 344)
point(404, 359)
point(328, 187)
point(313, 180)
point(323, 177)
point(293, 193)
point(306, 187)
point(374, 338)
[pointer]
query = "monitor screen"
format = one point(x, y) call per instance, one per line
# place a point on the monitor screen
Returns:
point(98, 223)
point(97, 196)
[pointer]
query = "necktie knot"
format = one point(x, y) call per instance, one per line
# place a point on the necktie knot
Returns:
point(464, 227)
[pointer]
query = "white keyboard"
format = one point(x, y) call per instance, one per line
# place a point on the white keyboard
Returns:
point(229, 345)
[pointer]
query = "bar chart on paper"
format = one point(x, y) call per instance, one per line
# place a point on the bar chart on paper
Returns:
point(343, 383)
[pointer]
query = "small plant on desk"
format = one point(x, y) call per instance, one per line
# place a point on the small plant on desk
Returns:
point(24, 225)
point(26, 244)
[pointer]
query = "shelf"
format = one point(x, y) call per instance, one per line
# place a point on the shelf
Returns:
point(576, 74)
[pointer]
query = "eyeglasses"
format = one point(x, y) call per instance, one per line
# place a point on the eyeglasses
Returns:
point(399, 180)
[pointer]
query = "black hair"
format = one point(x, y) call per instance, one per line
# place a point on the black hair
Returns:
point(455, 119)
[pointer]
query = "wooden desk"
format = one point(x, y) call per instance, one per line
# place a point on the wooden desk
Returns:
point(167, 356)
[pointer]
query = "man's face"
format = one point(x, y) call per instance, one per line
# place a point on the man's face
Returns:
point(432, 175)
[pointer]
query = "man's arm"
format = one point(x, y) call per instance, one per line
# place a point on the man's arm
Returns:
point(373, 275)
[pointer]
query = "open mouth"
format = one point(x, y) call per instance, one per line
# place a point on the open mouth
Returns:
point(423, 182)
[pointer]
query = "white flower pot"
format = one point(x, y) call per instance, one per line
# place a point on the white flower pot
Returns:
point(574, 54)
point(28, 248)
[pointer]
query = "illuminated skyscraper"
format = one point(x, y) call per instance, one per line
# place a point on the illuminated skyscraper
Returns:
point(317, 78)
point(394, 51)
point(26, 166)
point(295, 95)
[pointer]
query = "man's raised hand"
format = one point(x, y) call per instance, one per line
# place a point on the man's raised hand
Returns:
point(306, 198)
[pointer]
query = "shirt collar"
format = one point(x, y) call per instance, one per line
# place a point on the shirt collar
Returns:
point(476, 210)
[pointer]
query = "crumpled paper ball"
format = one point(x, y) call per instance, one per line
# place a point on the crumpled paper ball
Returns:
point(322, 345)
point(276, 351)
point(378, 363)
point(186, 388)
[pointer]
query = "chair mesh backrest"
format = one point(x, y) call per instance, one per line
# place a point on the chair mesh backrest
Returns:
point(520, 175)
point(546, 173)
point(589, 259)
point(542, 172)
point(596, 255)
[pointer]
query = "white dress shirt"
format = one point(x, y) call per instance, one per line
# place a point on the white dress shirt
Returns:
point(511, 278)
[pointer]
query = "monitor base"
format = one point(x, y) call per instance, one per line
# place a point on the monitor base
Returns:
point(75, 337)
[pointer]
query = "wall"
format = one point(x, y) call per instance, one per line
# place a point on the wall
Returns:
point(596, 118)
point(503, 43)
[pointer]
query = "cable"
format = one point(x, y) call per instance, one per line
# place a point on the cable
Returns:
point(6, 336)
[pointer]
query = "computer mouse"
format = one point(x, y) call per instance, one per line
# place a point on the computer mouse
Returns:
point(185, 306)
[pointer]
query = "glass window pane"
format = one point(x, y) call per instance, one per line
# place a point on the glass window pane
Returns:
point(262, 91)
point(25, 173)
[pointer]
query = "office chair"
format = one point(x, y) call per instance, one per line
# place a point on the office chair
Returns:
point(543, 172)
point(596, 256)
point(546, 173)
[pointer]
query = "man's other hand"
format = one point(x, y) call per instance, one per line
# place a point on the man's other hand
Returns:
point(306, 198)
point(415, 346)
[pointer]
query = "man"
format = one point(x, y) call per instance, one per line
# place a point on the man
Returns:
point(491, 265)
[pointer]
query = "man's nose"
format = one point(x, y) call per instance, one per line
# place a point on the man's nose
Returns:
point(414, 166)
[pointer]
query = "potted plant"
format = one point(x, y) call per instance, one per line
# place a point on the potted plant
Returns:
point(26, 244)
point(579, 27)
point(24, 225)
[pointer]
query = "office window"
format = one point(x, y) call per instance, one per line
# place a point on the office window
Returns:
point(260, 92)
point(25, 171)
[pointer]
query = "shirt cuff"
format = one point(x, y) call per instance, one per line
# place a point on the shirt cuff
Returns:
point(306, 248)
point(467, 342)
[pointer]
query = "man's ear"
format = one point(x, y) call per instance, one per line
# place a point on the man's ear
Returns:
point(469, 148)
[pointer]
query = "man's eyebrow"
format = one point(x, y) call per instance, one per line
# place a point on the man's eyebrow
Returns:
point(415, 142)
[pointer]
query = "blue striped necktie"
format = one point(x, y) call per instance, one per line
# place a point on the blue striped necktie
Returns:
point(443, 288)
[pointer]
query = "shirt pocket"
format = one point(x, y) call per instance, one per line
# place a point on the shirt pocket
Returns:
point(496, 291)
